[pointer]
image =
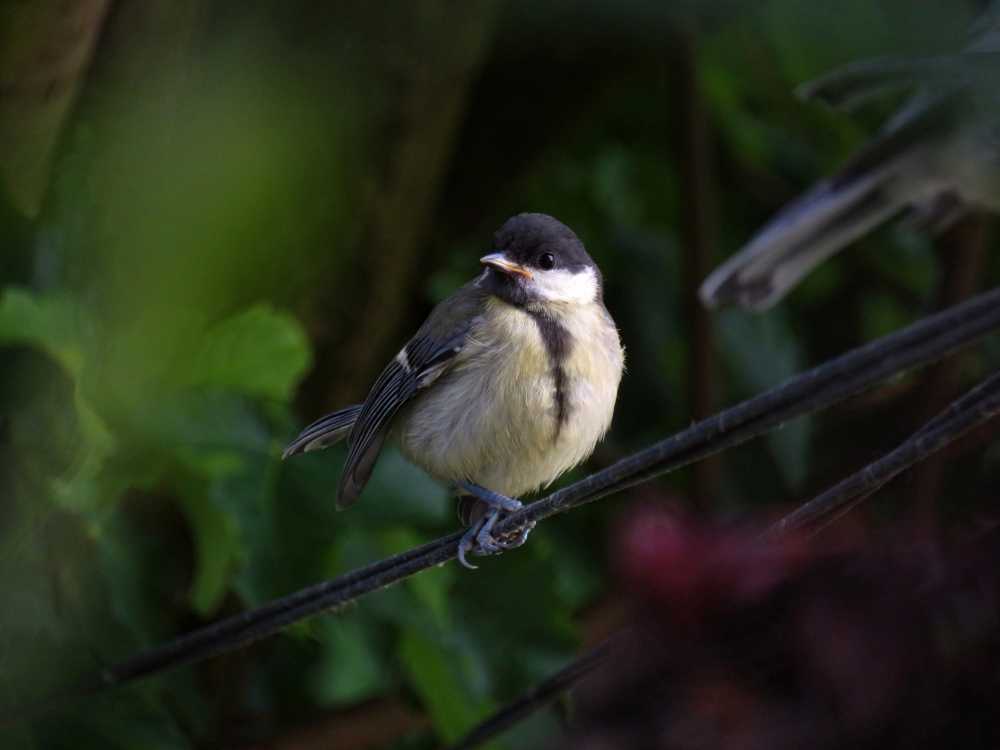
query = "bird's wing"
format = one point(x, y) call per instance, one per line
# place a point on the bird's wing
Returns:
point(430, 353)
point(883, 178)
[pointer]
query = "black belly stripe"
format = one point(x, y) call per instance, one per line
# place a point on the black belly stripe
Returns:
point(557, 343)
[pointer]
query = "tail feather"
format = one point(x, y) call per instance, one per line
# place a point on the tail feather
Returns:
point(324, 432)
point(799, 238)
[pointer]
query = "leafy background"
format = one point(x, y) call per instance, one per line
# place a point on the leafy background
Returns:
point(221, 218)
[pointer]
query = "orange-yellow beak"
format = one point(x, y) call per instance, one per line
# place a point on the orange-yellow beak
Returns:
point(500, 261)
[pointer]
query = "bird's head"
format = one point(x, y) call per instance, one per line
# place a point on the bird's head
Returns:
point(537, 260)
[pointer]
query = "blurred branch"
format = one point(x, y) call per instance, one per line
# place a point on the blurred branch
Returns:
point(434, 53)
point(145, 41)
point(960, 252)
point(979, 405)
point(971, 410)
point(920, 343)
point(697, 209)
point(44, 55)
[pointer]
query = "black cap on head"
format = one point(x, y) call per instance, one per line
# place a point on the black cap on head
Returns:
point(525, 238)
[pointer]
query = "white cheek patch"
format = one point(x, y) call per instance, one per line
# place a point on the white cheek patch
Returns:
point(560, 285)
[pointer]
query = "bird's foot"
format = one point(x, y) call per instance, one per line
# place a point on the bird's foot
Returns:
point(479, 539)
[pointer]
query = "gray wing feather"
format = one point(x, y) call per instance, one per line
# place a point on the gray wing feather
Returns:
point(427, 356)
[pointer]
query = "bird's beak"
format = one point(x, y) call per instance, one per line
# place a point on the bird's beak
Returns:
point(500, 261)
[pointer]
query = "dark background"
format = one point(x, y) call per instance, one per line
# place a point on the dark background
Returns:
point(221, 218)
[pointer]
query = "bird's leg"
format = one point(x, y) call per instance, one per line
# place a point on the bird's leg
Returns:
point(491, 498)
point(479, 538)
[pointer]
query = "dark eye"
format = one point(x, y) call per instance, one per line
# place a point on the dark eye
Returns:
point(546, 261)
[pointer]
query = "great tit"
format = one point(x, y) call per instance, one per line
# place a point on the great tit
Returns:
point(510, 382)
point(938, 156)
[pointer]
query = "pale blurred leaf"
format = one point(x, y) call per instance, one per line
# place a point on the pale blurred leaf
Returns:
point(762, 352)
point(217, 550)
point(261, 352)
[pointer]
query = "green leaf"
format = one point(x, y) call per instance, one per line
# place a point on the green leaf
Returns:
point(763, 352)
point(50, 323)
point(259, 352)
point(84, 488)
point(211, 433)
point(349, 669)
point(132, 568)
point(438, 676)
point(432, 587)
point(218, 549)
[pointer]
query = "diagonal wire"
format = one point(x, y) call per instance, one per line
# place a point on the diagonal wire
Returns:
point(971, 410)
point(922, 342)
point(538, 696)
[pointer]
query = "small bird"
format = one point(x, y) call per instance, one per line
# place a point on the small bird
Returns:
point(510, 382)
point(938, 156)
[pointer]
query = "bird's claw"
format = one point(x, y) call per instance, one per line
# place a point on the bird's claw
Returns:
point(469, 543)
point(515, 538)
point(486, 544)
point(479, 539)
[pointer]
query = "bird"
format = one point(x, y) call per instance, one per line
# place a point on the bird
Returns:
point(938, 157)
point(510, 382)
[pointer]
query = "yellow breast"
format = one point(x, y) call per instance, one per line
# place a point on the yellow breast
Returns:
point(493, 418)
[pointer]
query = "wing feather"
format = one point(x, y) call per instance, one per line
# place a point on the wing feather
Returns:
point(423, 360)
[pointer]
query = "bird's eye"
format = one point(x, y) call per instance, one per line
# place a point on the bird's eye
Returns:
point(546, 261)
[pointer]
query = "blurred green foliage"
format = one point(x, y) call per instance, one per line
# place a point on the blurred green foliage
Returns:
point(212, 269)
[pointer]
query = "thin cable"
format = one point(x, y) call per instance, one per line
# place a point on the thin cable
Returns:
point(979, 405)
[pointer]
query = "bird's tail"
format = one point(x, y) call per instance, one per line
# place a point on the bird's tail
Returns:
point(800, 237)
point(324, 432)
